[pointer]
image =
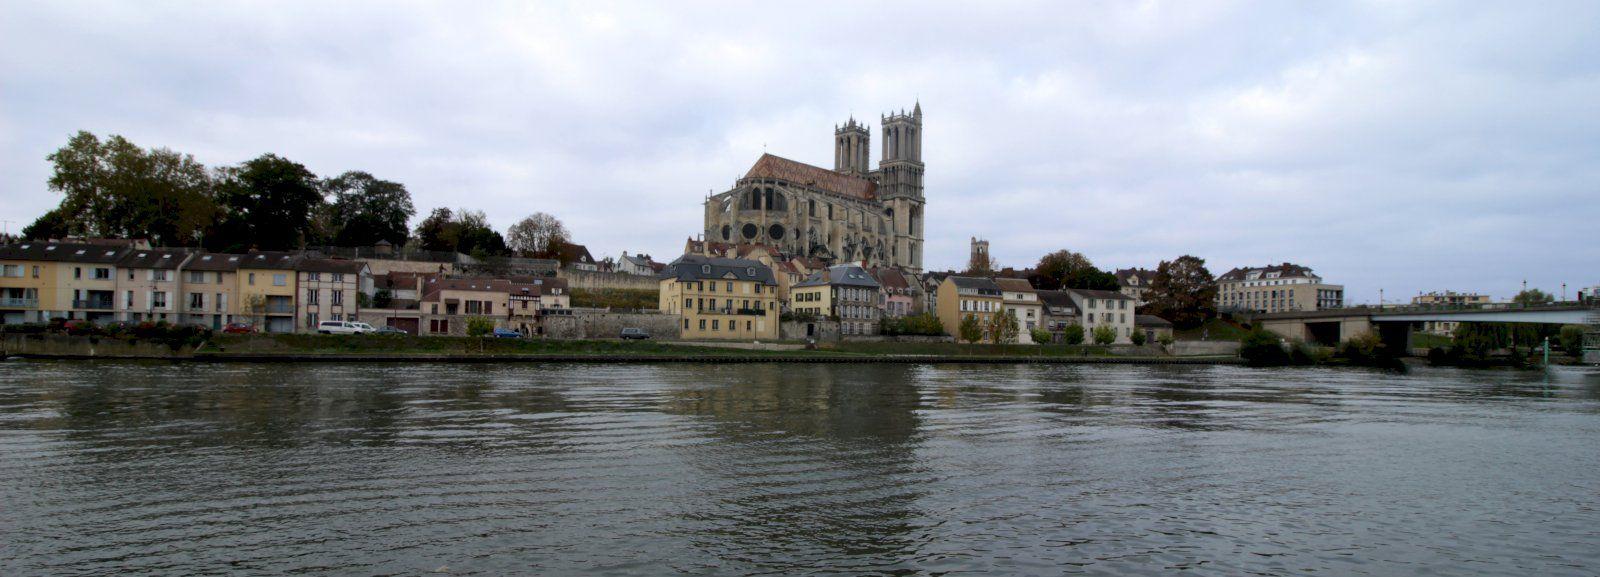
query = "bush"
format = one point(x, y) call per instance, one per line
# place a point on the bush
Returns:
point(971, 329)
point(1072, 335)
point(1104, 335)
point(1363, 349)
point(1040, 336)
point(1138, 338)
point(1572, 339)
point(923, 324)
point(1261, 348)
point(479, 326)
point(1166, 340)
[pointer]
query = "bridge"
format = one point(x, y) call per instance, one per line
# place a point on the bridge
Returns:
point(1394, 324)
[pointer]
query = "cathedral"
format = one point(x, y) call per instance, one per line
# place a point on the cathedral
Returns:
point(852, 213)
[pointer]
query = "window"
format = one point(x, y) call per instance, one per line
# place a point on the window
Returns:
point(279, 279)
point(730, 286)
point(338, 298)
point(713, 286)
point(197, 301)
point(160, 275)
point(127, 301)
point(311, 320)
point(314, 276)
point(11, 270)
point(196, 276)
point(77, 272)
point(702, 324)
point(338, 277)
point(252, 279)
point(158, 299)
point(713, 324)
point(311, 297)
point(713, 304)
point(36, 272)
point(102, 274)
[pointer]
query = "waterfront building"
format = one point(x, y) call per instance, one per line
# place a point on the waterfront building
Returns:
point(961, 296)
point(266, 290)
point(329, 289)
point(721, 298)
point(210, 285)
point(1134, 282)
point(1019, 297)
point(40, 281)
point(1153, 327)
point(851, 213)
point(847, 293)
point(1099, 308)
point(897, 292)
point(1276, 288)
point(1060, 311)
point(146, 284)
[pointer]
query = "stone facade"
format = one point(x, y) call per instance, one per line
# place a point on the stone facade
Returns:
point(584, 324)
point(848, 214)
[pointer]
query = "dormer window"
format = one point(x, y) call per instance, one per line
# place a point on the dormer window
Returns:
point(705, 269)
point(750, 271)
point(80, 251)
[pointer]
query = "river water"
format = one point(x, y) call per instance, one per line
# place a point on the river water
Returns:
point(164, 469)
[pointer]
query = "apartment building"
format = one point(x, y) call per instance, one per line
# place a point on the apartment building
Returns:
point(1022, 300)
point(847, 293)
point(960, 296)
point(721, 298)
point(1134, 282)
point(266, 290)
point(1276, 288)
point(210, 289)
point(146, 284)
point(1105, 309)
point(40, 281)
point(328, 289)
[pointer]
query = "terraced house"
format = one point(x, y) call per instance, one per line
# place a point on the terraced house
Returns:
point(960, 296)
point(721, 298)
point(210, 289)
point(329, 290)
point(40, 281)
point(266, 290)
point(844, 292)
point(147, 285)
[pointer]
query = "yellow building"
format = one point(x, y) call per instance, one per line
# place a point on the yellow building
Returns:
point(210, 290)
point(960, 296)
point(148, 285)
point(721, 298)
point(266, 290)
point(40, 281)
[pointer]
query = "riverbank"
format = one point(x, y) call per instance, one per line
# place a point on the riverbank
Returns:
point(408, 349)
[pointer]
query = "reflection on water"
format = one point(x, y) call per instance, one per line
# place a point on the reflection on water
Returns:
point(156, 469)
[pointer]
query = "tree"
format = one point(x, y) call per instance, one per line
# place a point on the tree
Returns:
point(1138, 338)
point(1067, 269)
point(980, 265)
point(1532, 297)
point(540, 235)
point(479, 326)
point(1072, 335)
point(115, 188)
point(1003, 327)
point(1040, 336)
point(1104, 335)
point(437, 232)
point(1572, 339)
point(366, 210)
point(1261, 348)
point(52, 224)
point(464, 231)
point(268, 202)
point(970, 330)
point(1183, 292)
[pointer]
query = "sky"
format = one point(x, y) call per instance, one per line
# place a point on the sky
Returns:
point(1401, 147)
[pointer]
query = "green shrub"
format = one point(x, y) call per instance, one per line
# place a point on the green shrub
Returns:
point(971, 329)
point(1166, 340)
point(1040, 336)
point(1262, 348)
point(1072, 335)
point(1572, 339)
point(1366, 348)
point(1104, 335)
point(479, 326)
point(1138, 337)
point(921, 324)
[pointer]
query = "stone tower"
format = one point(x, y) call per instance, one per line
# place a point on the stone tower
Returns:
point(851, 144)
point(900, 185)
point(980, 251)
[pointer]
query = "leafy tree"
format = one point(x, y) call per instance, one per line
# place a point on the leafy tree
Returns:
point(1003, 327)
point(539, 235)
point(437, 232)
point(1104, 335)
point(971, 330)
point(1572, 339)
point(1072, 335)
point(479, 326)
point(1261, 348)
point(268, 202)
point(1166, 340)
point(464, 231)
point(1040, 336)
point(366, 210)
point(52, 224)
point(1067, 269)
point(1533, 296)
point(115, 188)
point(1138, 338)
point(1183, 292)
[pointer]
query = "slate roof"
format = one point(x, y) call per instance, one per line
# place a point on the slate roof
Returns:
point(780, 168)
point(62, 252)
point(213, 261)
point(693, 267)
point(334, 265)
point(269, 260)
point(1094, 294)
point(576, 253)
point(1151, 321)
point(1125, 276)
point(1014, 285)
point(435, 286)
point(967, 282)
point(1057, 299)
point(153, 258)
point(890, 279)
point(1285, 270)
point(841, 275)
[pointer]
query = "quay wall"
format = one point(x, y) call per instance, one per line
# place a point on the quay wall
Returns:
point(607, 325)
point(47, 346)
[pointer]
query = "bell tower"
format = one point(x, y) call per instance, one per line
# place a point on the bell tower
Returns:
point(851, 144)
point(900, 184)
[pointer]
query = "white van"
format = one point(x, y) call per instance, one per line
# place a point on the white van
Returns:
point(343, 328)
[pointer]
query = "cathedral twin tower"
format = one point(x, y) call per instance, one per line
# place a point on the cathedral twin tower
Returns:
point(852, 213)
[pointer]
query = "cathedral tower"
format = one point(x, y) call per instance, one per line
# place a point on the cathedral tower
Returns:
point(851, 144)
point(900, 184)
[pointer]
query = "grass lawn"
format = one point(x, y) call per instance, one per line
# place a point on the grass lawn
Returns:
point(1213, 330)
point(1428, 341)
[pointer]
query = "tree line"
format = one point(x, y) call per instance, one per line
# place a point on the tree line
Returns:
point(114, 188)
point(1183, 291)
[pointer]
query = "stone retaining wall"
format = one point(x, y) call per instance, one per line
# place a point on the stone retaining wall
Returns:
point(607, 280)
point(607, 325)
point(822, 331)
point(1204, 348)
point(43, 345)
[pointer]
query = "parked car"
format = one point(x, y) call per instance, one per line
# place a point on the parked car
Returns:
point(634, 334)
point(344, 328)
point(239, 329)
point(504, 333)
point(390, 331)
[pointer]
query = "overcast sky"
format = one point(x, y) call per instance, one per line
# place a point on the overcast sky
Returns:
point(1407, 146)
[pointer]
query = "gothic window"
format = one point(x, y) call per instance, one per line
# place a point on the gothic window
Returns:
point(767, 202)
point(727, 232)
point(812, 204)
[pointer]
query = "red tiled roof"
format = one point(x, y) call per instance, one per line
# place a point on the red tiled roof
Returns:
point(777, 167)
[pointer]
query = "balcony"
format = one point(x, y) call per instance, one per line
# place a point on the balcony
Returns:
point(18, 303)
point(278, 309)
point(93, 304)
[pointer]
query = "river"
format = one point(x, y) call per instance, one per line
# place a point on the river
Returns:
point(111, 468)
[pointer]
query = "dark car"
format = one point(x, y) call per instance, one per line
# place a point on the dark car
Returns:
point(390, 331)
point(634, 334)
point(239, 328)
point(503, 333)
